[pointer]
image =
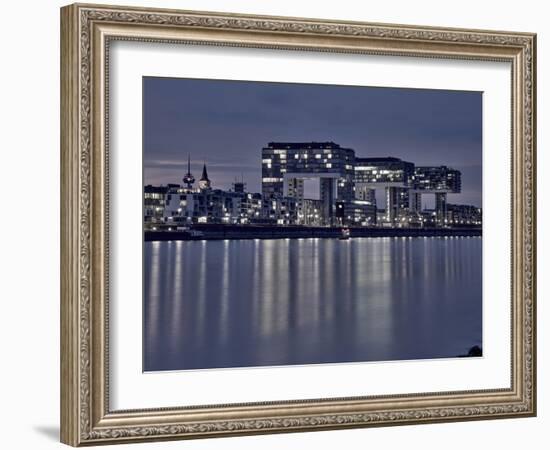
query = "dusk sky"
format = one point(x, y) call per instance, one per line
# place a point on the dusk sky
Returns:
point(226, 124)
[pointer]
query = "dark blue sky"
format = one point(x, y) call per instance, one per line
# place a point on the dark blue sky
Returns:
point(226, 124)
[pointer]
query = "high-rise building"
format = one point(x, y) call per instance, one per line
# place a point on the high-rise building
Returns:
point(392, 174)
point(285, 166)
point(437, 180)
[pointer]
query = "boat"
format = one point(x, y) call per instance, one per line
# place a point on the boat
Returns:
point(345, 234)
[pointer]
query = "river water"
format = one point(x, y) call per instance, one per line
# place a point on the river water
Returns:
point(242, 303)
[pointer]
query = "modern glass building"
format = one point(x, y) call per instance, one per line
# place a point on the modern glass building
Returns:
point(285, 166)
point(388, 170)
point(437, 180)
point(392, 174)
point(346, 179)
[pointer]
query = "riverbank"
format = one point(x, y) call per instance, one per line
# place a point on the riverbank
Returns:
point(217, 232)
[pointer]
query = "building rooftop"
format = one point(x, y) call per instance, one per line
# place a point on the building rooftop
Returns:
point(149, 189)
point(299, 145)
point(377, 159)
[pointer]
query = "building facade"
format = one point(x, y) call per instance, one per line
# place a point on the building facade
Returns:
point(285, 166)
point(458, 215)
point(346, 194)
point(439, 181)
point(391, 174)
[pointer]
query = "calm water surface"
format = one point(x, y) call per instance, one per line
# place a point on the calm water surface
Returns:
point(241, 303)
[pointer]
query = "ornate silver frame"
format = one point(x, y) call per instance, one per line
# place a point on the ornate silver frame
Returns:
point(86, 31)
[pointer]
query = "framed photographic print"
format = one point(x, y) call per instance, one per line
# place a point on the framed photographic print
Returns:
point(276, 224)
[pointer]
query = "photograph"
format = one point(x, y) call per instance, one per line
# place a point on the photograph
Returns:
point(294, 224)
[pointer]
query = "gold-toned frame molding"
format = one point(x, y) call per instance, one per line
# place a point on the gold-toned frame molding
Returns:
point(86, 31)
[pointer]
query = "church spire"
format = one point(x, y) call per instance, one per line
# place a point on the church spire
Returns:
point(204, 182)
point(204, 176)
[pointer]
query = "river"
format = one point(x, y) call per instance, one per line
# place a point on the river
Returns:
point(242, 303)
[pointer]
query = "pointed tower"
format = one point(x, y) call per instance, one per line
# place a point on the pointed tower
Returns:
point(189, 179)
point(204, 182)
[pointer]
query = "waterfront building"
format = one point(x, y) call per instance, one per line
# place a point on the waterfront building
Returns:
point(347, 192)
point(356, 212)
point(251, 208)
point(154, 202)
point(280, 210)
point(393, 175)
point(176, 206)
point(381, 217)
point(203, 206)
point(404, 186)
point(285, 166)
point(310, 213)
point(429, 218)
point(385, 171)
point(437, 180)
point(459, 215)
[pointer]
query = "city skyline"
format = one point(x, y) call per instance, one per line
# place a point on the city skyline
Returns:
point(355, 197)
point(225, 124)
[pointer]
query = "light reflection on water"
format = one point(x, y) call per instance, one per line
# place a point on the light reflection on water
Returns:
point(239, 303)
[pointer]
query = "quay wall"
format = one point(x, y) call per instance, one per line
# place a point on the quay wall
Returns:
point(213, 232)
